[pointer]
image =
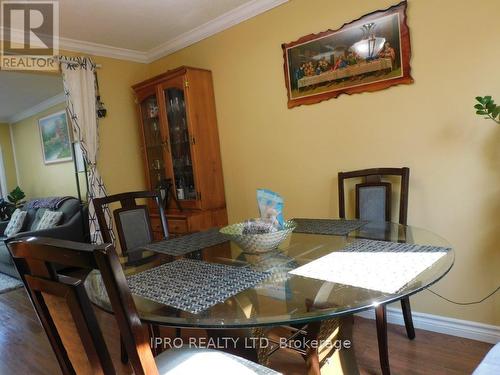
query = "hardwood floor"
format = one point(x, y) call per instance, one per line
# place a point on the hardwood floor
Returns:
point(24, 348)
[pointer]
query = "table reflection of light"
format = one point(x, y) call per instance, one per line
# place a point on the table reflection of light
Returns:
point(386, 272)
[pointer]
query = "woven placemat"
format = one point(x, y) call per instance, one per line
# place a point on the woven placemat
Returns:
point(193, 285)
point(374, 246)
point(187, 244)
point(335, 227)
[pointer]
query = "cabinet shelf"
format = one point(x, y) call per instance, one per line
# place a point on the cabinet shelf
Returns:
point(197, 167)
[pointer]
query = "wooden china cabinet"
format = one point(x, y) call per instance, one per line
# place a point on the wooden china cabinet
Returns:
point(180, 142)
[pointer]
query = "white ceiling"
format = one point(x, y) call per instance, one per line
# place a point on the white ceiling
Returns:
point(137, 24)
point(144, 30)
point(20, 92)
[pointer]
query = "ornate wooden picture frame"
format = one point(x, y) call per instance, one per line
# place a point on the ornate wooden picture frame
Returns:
point(368, 54)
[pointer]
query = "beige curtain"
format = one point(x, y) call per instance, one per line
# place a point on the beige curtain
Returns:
point(80, 89)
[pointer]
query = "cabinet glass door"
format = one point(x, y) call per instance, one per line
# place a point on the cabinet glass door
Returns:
point(153, 140)
point(180, 143)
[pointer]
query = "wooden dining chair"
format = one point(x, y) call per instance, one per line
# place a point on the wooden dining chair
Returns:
point(373, 202)
point(373, 194)
point(67, 316)
point(133, 221)
point(133, 225)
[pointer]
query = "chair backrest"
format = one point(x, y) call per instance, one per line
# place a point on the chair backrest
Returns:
point(373, 195)
point(64, 308)
point(132, 220)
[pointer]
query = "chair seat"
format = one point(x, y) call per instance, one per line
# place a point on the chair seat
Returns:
point(192, 361)
point(490, 365)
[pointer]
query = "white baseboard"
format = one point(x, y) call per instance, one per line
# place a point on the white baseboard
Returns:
point(449, 326)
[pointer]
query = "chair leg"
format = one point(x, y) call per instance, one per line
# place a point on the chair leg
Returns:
point(383, 349)
point(154, 331)
point(410, 330)
point(123, 352)
point(312, 357)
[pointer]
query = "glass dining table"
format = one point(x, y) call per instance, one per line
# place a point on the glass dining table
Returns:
point(288, 296)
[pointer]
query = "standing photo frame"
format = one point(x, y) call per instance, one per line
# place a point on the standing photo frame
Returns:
point(368, 54)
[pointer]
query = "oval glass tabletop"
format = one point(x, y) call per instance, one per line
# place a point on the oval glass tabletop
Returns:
point(309, 277)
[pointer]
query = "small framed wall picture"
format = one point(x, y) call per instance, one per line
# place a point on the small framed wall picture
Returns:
point(55, 138)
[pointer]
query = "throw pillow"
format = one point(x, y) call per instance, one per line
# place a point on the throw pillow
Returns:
point(16, 223)
point(37, 217)
point(49, 220)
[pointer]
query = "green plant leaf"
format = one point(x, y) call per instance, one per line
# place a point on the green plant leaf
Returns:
point(495, 112)
point(490, 107)
point(487, 108)
point(16, 195)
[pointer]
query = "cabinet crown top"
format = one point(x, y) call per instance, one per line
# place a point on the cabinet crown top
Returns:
point(182, 70)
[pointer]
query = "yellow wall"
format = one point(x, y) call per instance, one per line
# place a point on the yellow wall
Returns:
point(429, 126)
point(35, 178)
point(8, 157)
point(119, 157)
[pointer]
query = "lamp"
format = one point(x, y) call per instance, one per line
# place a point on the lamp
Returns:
point(165, 187)
point(80, 167)
point(80, 164)
point(369, 46)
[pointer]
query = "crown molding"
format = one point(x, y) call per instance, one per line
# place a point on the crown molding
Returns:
point(87, 47)
point(40, 107)
point(221, 23)
point(97, 49)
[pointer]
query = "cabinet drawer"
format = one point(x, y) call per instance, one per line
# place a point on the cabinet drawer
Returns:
point(158, 236)
point(156, 224)
point(177, 226)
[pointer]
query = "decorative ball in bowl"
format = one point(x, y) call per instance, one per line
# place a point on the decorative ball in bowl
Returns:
point(259, 242)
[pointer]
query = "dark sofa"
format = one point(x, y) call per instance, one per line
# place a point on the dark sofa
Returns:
point(71, 228)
